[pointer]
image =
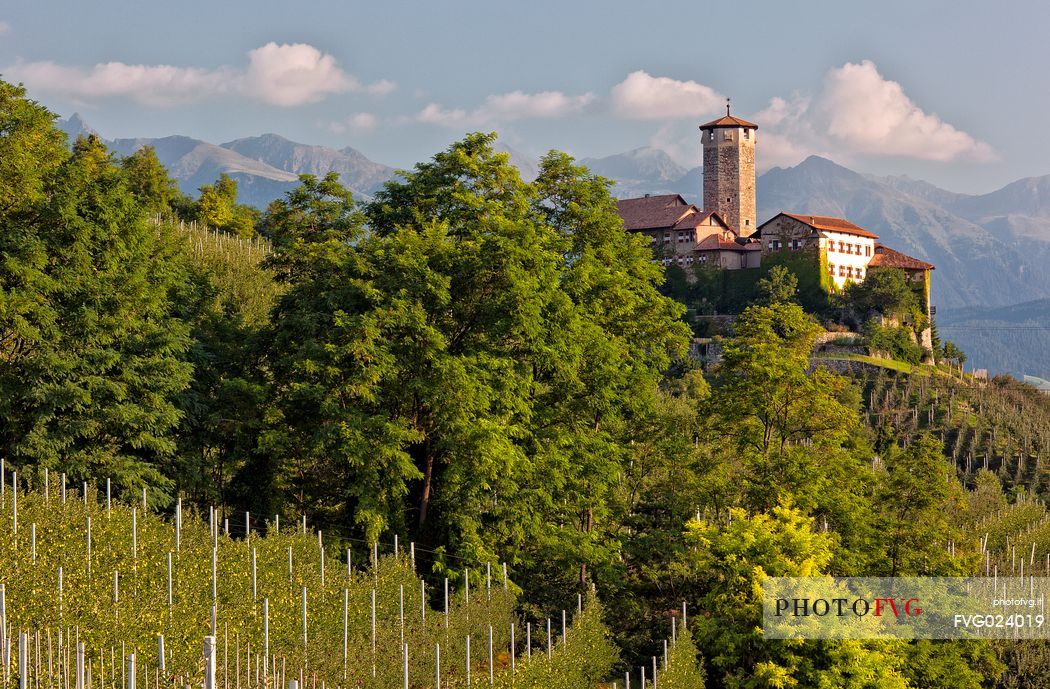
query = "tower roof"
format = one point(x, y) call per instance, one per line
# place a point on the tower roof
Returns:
point(729, 121)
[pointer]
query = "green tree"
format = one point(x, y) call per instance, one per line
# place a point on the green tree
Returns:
point(228, 298)
point(465, 371)
point(95, 353)
point(149, 181)
point(730, 559)
point(918, 494)
point(31, 151)
point(767, 400)
point(779, 286)
point(217, 208)
point(885, 290)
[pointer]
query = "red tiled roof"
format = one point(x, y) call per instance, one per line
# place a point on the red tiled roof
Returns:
point(886, 257)
point(651, 212)
point(716, 243)
point(688, 222)
point(829, 224)
point(729, 121)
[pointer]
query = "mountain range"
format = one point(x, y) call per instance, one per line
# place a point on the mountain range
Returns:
point(990, 250)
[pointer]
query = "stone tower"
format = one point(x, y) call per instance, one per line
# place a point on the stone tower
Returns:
point(729, 170)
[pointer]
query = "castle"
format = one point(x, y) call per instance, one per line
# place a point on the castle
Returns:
point(725, 233)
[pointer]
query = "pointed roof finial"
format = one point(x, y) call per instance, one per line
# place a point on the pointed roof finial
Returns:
point(727, 107)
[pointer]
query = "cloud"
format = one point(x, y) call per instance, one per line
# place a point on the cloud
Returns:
point(286, 75)
point(873, 115)
point(362, 121)
point(642, 96)
point(147, 84)
point(515, 105)
point(436, 114)
point(5, 28)
point(858, 112)
point(294, 74)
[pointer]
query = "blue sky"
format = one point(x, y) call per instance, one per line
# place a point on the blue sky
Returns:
point(955, 93)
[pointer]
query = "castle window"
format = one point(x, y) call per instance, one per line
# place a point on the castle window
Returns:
point(703, 258)
point(867, 250)
point(842, 247)
point(747, 223)
point(831, 269)
point(796, 244)
point(667, 238)
point(747, 133)
point(860, 273)
point(681, 237)
point(842, 271)
point(727, 135)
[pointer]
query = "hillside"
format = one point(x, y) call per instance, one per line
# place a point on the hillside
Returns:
point(283, 600)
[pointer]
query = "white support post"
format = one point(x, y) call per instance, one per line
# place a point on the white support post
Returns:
point(303, 618)
point(373, 631)
point(23, 661)
point(346, 626)
point(129, 676)
point(209, 662)
point(80, 666)
point(549, 638)
point(266, 635)
point(405, 648)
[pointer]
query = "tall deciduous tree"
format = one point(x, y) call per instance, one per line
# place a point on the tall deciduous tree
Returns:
point(93, 353)
point(467, 368)
point(150, 182)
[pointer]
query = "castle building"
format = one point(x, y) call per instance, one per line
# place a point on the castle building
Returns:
point(725, 233)
point(683, 235)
